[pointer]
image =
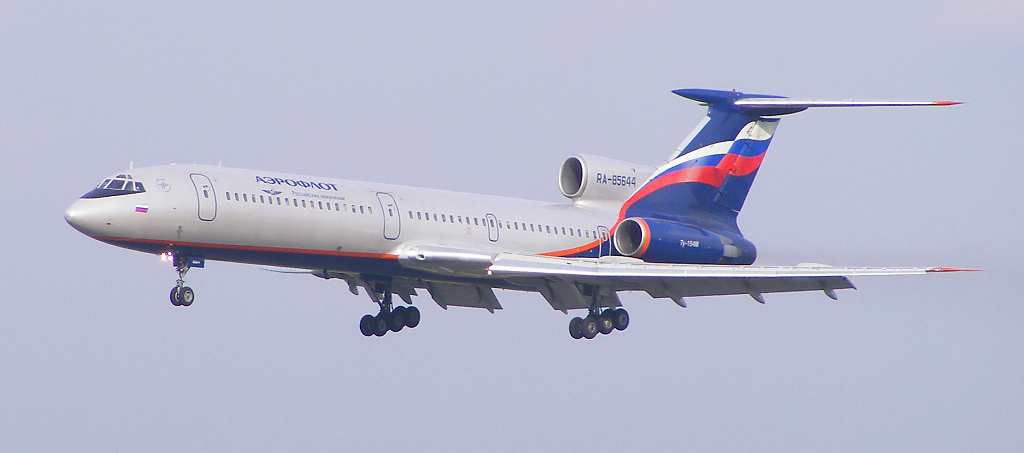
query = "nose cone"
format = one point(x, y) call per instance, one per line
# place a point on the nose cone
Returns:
point(84, 217)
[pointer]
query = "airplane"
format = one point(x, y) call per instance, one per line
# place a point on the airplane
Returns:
point(668, 230)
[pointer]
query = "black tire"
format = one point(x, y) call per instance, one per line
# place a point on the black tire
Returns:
point(412, 317)
point(395, 319)
point(174, 297)
point(380, 325)
point(366, 325)
point(621, 319)
point(576, 328)
point(589, 329)
point(186, 296)
point(604, 324)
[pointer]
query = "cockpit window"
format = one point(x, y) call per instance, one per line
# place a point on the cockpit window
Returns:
point(118, 185)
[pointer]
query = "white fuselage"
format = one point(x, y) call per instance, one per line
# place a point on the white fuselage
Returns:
point(311, 222)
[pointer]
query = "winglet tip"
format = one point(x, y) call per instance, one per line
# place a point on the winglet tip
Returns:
point(946, 102)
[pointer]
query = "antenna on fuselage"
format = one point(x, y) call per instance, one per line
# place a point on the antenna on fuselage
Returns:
point(219, 162)
point(131, 164)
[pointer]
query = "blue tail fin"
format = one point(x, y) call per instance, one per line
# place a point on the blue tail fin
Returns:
point(709, 176)
point(707, 179)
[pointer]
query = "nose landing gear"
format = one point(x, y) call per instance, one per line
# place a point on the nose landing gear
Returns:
point(181, 295)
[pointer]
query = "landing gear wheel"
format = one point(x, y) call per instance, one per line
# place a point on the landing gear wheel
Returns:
point(395, 320)
point(411, 316)
point(620, 318)
point(380, 324)
point(186, 296)
point(576, 328)
point(589, 327)
point(174, 297)
point(366, 325)
point(604, 323)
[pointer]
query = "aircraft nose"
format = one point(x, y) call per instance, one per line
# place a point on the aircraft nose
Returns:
point(83, 217)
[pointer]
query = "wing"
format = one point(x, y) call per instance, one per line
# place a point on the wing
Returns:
point(461, 277)
point(676, 281)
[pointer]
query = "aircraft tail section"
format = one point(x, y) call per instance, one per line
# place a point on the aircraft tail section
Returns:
point(707, 179)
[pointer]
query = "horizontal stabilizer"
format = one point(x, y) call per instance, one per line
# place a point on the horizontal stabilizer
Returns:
point(786, 102)
point(771, 105)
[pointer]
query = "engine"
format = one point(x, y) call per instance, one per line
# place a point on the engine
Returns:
point(661, 241)
point(586, 178)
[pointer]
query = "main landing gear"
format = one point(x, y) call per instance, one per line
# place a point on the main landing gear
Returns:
point(598, 322)
point(389, 319)
point(603, 322)
point(181, 295)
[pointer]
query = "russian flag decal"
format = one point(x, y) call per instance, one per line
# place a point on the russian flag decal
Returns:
point(142, 208)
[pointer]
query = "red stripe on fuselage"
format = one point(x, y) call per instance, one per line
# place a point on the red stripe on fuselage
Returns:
point(254, 248)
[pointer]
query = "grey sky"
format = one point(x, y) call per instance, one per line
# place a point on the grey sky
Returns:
point(491, 99)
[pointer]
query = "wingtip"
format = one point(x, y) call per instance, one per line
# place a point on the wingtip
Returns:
point(946, 102)
point(953, 269)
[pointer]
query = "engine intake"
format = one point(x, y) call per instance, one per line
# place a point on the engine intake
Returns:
point(661, 241)
point(585, 178)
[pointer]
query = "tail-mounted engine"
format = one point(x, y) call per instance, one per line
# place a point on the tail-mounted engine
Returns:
point(585, 178)
point(662, 241)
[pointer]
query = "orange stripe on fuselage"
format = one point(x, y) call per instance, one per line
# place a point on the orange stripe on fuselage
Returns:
point(573, 251)
point(255, 248)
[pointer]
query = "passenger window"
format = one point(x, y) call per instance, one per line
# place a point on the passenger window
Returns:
point(369, 209)
point(261, 198)
point(451, 218)
point(336, 207)
point(419, 215)
point(286, 202)
point(361, 210)
point(410, 214)
point(563, 230)
point(587, 233)
point(444, 219)
point(320, 204)
point(547, 227)
point(578, 233)
point(460, 220)
point(279, 201)
point(492, 224)
point(435, 217)
point(245, 197)
point(570, 232)
point(531, 227)
point(206, 193)
point(227, 195)
point(328, 206)
point(303, 203)
point(476, 221)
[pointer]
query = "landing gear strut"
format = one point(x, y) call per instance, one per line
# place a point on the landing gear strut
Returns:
point(181, 295)
point(389, 318)
point(603, 322)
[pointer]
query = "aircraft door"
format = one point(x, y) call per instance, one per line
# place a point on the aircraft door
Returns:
point(206, 196)
point(492, 227)
point(392, 216)
point(606, 244)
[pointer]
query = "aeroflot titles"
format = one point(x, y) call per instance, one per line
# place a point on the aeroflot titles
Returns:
point(294, 183)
